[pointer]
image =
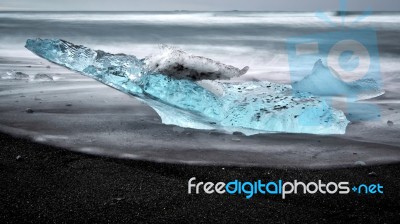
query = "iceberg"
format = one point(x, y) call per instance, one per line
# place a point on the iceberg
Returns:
point(185, 91)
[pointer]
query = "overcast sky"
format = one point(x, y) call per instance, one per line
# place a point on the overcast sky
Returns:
point(212, 5)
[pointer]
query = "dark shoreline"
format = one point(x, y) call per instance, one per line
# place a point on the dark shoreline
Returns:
point(51, 184)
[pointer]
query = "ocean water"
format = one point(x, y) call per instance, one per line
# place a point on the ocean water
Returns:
point(255, 39)
point(103, 121)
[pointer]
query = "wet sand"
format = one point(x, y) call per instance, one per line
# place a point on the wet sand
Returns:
point(51, 184)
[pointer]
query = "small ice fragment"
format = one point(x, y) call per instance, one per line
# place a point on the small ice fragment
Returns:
point(372, 174)
point(178, 129)
point(29, 110)
point(236, 139)
point(15, 75)
point(19, 158)
point(390, 123)
point(325, 81)
point(360, 163)
point(43, 77)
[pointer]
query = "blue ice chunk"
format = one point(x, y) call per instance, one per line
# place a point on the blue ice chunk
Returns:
point(326, 82)
point(248, 107)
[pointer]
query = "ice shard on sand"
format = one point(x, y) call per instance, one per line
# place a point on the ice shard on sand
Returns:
point(185, 91)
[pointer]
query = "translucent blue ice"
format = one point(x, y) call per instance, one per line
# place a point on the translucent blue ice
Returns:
point(248, 107)
point(325, 82)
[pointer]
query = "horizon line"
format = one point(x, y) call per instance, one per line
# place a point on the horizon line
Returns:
point(183, 10)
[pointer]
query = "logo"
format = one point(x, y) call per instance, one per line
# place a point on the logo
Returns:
point(280, 187)
point(350, 70)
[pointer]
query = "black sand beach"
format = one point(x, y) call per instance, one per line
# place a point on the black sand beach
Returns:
point(74, 150)
point(50, 184)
